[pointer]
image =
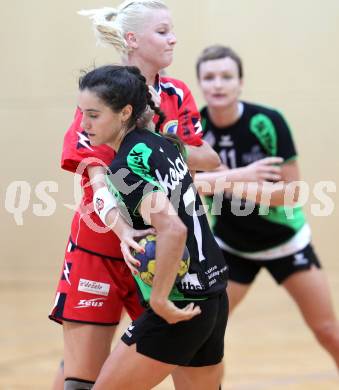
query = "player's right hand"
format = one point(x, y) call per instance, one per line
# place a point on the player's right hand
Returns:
point(266, 169)
point(173, 314)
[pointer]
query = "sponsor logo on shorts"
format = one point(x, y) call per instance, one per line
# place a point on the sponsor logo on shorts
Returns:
point(190, 282)
point(128, 330)
point(300, 259)
point(95, 302)
point(93, 287)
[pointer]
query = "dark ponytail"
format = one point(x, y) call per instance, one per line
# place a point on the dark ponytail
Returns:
point(171, 137)
point(157, 110)
point(150, 101)
point(176, 141)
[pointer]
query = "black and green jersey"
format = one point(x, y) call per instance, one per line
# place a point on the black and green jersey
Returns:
point(147, 162)
point(259, 132)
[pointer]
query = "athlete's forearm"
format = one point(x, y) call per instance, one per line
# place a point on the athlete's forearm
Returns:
point(97, 177)
point(169, 250)
point(218, 180)
point(266, 193)
point(113, 219)
point(157, 210)
point(116, 222)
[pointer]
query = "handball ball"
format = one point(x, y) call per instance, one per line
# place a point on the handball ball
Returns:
point(147, 260)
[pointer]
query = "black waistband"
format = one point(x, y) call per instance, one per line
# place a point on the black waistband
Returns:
point(74, 246)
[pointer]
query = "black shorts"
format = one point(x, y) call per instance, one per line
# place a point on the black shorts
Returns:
point(244, 271)
point(195, 343)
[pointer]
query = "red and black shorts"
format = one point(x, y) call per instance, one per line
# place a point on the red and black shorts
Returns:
point(94, 289)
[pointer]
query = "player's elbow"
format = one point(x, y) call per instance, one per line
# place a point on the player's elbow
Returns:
point(208, 159)
point(177, 231)
point(202, 158)
point(212, 161)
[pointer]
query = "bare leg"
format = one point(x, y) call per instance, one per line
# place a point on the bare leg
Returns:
point(127, 369)
point(236, 293)
point(198, 378)
point(86, 349)
point(58, 383)
point(310, 291)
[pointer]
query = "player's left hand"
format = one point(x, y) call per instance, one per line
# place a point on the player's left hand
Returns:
point(129, 242)
point(173, 314)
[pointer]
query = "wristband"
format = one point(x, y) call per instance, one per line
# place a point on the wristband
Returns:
point(103, 202)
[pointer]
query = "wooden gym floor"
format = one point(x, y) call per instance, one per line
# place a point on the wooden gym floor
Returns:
point(267, 345)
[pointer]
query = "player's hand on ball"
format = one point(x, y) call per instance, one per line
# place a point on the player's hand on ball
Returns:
point(172, 314)
point(130, 242)
point(146, 261)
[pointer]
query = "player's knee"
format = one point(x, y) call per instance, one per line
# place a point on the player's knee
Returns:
point(77, 384)
point(327, 333)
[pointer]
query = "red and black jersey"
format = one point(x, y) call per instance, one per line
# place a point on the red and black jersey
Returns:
point(87, 230)
point(182, 115)
point(182, 118)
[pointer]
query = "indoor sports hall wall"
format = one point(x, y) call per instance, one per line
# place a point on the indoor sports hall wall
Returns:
point(291, 58)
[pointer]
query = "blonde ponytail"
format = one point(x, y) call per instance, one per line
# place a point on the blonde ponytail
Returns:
point(106, 30)
point(111, 24)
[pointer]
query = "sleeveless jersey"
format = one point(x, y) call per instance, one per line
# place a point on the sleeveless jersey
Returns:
point(147, 162)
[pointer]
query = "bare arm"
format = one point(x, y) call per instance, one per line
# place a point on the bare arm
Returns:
point(238, 182)
point(158, 211)
point(281, 193)
point(262, 170)
point(115, 220)
point(202, 158)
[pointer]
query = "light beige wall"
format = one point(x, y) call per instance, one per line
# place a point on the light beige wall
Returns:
point(290, 51)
